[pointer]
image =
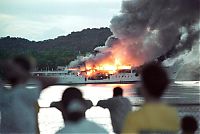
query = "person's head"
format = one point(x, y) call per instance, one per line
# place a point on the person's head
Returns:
point(189, 125)
point(11, 72)
point(72, 104)
point(26, 63)
point(18, 69)
point(117, 91)
point(154, 80)
point(2, 70)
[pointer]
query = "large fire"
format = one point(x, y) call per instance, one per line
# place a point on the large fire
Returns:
point(115, 59)
point(104, 68)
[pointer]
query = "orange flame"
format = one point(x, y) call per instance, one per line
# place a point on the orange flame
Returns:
point(107, 66)
point(118, 59)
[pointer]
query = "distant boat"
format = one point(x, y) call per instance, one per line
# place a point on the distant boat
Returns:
point(69, 76)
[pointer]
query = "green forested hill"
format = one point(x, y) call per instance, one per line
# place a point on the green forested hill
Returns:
point(55, 52)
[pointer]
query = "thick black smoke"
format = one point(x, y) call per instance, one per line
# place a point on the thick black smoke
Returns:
point(150, 29)
point(162, 27)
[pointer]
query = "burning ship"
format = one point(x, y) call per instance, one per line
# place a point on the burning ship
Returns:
point(76, 76)
point(101, 74)
point(142, 32)
point(89, 74)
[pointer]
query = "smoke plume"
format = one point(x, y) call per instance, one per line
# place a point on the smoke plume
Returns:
point(156, 27)
point(149, 29)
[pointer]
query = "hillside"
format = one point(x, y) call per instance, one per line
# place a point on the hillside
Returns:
point(53, 52)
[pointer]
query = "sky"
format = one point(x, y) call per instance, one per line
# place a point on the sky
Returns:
point(47, 19)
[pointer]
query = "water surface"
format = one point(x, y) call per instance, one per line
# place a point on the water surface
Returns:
point(179, 93)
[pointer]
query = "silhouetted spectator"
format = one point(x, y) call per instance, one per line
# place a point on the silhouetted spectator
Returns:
point(118, 106)
point(153, 115)
point(189, 125)
point(19, 103)
point(73, 111)
point(58, 104)
point(1, 70)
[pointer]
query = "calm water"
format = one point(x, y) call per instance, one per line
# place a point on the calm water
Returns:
point(50, 119)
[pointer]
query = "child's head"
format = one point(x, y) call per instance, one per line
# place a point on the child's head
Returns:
point(117, 91)
point(189, 125)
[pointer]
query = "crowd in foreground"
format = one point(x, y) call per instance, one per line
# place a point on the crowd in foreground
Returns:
point(19, 107)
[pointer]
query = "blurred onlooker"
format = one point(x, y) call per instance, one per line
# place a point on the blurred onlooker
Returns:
point(118, 106)
point(189, 125)
point(153, 116)
point(1, 81)
point(58, 104)
point(18, 104)
point(73, 110)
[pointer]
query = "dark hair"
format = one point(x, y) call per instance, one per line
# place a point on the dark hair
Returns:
point(154, 79)
point(23, 62)
point(189, 124)
point(117, 91)
point(70, 94)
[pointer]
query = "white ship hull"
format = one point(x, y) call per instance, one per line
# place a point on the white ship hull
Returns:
point(66, 77)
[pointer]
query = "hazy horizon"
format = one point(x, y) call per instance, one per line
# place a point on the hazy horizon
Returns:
point(48, 19)
point(56, 36)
